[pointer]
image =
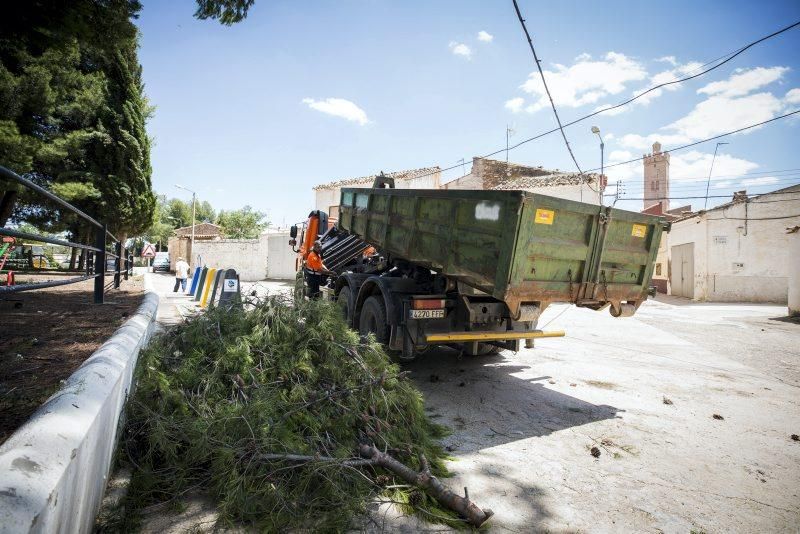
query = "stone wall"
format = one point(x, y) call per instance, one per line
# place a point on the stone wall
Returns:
point(494, 172)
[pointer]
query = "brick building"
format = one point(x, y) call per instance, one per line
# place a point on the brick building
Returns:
point(496, 174)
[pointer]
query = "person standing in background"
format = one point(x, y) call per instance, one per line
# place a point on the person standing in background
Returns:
point(181, 274)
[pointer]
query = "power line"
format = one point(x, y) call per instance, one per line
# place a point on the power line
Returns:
point(546, 89)
point(638, 188)
point(754, 219)
point(713, 196)
point(730, 56)
point(777, 173)
point(659, 86)
point(705, 140)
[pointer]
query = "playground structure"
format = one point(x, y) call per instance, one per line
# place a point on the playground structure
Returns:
point(6, 247)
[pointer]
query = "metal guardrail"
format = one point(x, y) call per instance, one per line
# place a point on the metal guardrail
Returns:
point(96, 255)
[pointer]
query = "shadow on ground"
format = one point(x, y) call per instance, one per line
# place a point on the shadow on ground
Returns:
point(486, 403)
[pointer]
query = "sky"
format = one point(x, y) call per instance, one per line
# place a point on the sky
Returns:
point(303, 93)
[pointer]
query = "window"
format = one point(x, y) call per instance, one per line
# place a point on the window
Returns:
point(333, 212)
point(658, 269)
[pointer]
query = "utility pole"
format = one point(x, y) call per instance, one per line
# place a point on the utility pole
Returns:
point(194, 200)
point(509, 132)
point(708, 182)
point(596, 130)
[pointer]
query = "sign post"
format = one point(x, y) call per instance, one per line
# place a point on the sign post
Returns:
point(149, 252)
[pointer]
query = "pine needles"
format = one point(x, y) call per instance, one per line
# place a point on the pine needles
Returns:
point(265, 409)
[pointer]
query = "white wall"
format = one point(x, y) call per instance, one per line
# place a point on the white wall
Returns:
point(738, 260)
point(794, 272)
point(580, 193)
point(247, 256)
point(280, 257)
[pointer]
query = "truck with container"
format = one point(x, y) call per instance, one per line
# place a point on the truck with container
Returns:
point(474, 269)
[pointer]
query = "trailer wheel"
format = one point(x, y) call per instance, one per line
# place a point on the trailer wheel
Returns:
point(373, 319)
point(487, 349)
point(345, 303)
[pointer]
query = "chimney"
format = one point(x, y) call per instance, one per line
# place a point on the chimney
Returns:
point(740, 196)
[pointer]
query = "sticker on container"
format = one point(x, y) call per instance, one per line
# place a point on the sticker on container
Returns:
point(230, 286)
point(639, 230)
point(487, 211)
point(544, 216)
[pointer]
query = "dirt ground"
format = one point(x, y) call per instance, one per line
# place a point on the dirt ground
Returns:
point(48, 337)
point(690, 406)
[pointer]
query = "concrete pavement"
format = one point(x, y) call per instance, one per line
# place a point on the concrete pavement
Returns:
point(644, 391)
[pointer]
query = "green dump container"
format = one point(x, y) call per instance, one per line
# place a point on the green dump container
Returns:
point(526, 249)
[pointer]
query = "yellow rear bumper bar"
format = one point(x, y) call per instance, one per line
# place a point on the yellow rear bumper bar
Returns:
point(490, 336)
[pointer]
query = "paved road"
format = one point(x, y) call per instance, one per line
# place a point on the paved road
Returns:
point(644, 391)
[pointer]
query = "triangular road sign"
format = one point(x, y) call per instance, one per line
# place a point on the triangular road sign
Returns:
point(149, 251)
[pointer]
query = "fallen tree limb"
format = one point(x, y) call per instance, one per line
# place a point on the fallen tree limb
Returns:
point(428, 483)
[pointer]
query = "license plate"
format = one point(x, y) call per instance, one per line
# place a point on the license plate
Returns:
point(427, 314)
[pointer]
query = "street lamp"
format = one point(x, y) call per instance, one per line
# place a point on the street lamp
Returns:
point(596, 130)
point(194, 196)
point(708, 182)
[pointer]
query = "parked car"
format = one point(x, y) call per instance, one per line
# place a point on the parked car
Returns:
point(161, 262)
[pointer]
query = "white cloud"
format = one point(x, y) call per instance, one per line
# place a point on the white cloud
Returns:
point(686, 168)
point(792, 97)
point(720, 114)
point(645, 142)
point(764, 180)
point(668, 59)
point(744, 81)
point(693, 166)
point(460, 49)
point(339, 107)
point(484, 36)
point(583, 57)
point(585, 82)
point(667, 76)
point(515, 104)
point(619, 155)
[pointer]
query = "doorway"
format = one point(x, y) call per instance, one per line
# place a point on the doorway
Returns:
point(682, 272)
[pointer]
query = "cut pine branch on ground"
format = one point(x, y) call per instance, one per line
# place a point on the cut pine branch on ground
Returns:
point(285, 417)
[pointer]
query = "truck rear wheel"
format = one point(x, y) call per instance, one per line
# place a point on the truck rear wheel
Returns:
point(373, 319)
point(343, 300)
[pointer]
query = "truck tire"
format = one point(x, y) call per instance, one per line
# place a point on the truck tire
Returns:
point(373, 319)
point(345, 302)
point(487, 349)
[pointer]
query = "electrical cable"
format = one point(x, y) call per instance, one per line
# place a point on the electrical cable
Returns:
point(659, 86)
point(754, 218)
point(705, 140)
point(729, 56)
point(687, 188)
point(546, 89)
point(713, 196)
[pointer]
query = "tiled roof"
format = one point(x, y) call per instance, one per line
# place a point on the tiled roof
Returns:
point(200, 230)
point(398, 175)
point(551, 180)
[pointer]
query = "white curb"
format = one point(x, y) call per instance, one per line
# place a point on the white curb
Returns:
point(53, 470)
